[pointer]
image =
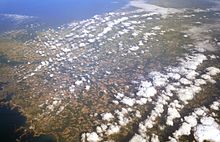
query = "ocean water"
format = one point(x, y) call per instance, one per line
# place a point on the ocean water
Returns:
point(10, 120)
point(57, 12)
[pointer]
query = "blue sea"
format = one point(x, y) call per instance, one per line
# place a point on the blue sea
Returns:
point(58, 12)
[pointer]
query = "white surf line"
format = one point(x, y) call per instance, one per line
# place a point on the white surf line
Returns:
point(16, 17)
